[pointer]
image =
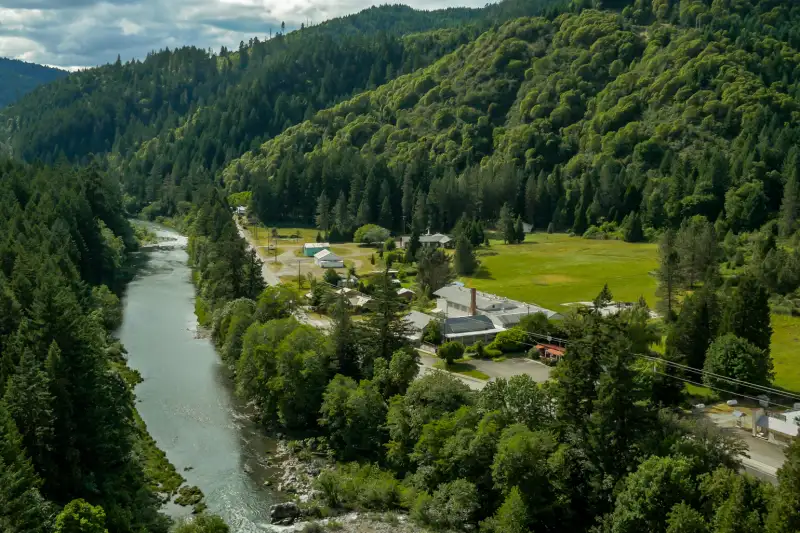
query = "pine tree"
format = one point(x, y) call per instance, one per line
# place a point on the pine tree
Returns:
point(519, 231)
point(791, 194)
point(408, 200)
point(747, 313)
point(345, 354)
point(465, 261)
point(386, 330)
point(419, 222)
point(632, 229)
point(413, 247)
point(21, 505)
point(669, 275)
point(506, 225)
point(253, 278)
point(323, 218)
point(531, 192)
point(695, 328)
point(30, 403)
point(385, 218)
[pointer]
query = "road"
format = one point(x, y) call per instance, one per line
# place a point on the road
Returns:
point(269, 276)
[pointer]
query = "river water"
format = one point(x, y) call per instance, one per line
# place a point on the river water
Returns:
point(186, 398)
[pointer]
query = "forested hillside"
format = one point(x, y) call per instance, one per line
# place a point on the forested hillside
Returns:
point(590, 117)
point(67, 429)
point(18, 78)
point(205, 109)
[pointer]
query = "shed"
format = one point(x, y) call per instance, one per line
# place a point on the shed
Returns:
point(417, 322)
point(311, 249)
point(328, 259)
point(406, 294)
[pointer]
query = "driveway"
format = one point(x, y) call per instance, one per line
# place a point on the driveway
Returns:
point(495, 370)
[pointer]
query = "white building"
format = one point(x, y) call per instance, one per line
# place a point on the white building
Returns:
point(328, 259)
point(781, 428)
point(455, 300)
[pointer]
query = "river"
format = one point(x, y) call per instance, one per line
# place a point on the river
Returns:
point(186, 398)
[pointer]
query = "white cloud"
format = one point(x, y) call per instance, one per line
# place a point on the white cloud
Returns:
point(70, 33)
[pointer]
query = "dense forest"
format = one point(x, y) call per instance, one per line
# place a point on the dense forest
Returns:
point(597, 449)
point(68, 438)
point(179, 116)
point(589, 118)
point(19, 78)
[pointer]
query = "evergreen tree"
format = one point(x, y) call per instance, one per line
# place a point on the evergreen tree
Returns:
point(531, 193)
point(791, 194)
point(669, 275)
point(253, 278)
point(323, 218)
point(747, 313)
point(435, 270)
point(22, 509)
point(385, 218)
point(632, 229)
point(344, 352)
point(386, 330)
point(419, 222)
point(465, 261)
point(695, 328)
point(414, 246)
point(519, 231)
point(506, 225)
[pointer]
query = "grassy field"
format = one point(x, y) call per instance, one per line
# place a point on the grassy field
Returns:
point(551, 270)
point(462, 366)
point(785, 344)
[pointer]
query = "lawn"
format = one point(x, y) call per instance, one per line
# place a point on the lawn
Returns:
point(785, 343)
point(463, 367)
point(551, 270)
point(263, 234)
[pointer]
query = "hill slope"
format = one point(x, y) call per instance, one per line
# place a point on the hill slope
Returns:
point(587, 118)
point(206, 109)
point(18, 78)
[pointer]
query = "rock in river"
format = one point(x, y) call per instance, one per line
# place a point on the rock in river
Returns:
point(284, 514)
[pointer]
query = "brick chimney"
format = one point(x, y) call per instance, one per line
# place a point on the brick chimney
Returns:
point(473, 302)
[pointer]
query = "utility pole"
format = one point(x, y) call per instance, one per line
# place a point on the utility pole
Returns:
point(299, 278)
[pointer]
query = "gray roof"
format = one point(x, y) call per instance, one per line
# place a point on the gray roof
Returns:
point(467, 324)
point(418, 320)
point(492, 304)
point(435, 238)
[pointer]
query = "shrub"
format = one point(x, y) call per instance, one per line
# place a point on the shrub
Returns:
point(510, 340)
point(359, 487)
point(452, 506)
point(432, 333)
point(450, 351)
point(371, 233)
point(390, 245)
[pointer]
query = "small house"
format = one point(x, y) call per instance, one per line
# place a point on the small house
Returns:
point(406, 294)
point(328, 259)
point(241, 211)
point(311, 249)
point(437, 240)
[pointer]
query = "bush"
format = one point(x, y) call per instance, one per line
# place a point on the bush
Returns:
point(370, 234)
point(432, 334)
point(390, 245)
point(491, 353)
point(450, 351)
point(452, 506)
point(509, 341)
point(331, 277)
point(359, 487)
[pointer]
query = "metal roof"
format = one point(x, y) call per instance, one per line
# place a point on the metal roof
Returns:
point(469, 324)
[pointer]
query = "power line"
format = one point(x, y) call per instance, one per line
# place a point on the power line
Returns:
point(719, 389)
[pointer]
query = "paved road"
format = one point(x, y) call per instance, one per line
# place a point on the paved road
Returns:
point(503, 369)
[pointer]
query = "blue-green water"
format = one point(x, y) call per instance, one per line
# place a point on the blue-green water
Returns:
point(186, 398)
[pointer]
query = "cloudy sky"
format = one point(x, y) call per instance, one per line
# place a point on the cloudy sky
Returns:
point(78, 33)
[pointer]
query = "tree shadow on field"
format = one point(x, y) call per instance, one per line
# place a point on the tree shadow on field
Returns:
point(483, 273)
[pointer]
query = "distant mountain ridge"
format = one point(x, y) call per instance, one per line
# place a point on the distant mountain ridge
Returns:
point(18, 78)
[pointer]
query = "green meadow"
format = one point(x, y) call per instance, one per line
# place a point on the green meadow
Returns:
point(551, 270)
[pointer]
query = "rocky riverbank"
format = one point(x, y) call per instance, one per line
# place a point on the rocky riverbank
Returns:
point(299, 464)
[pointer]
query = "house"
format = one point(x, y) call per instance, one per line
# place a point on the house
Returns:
point(455, 300)
point(310, 249)
point(780, 428)
point(437, 240)
point(406, 294)
point(417, 322)
point(350, 281)
point(241, 211)
point(470, 329)
point(328, 259)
